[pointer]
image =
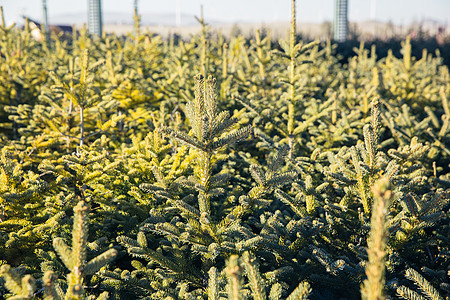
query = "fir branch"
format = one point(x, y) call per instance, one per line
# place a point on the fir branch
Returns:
point(159, 176)
point(437, 202)
point(288, 200)
point(219, 179)
point(423, 284)
point(268, 141)
point(210, 102)
point(276, 291)
point(64, 251)
point(84, 68)
point(167, 229)
point(142, 239)
point(258, 174)
point(324, 258)
point(67, 91)
point(232, 137)
point(127, 242)
point(375, 122)
point(282, 179)
point(183, 138)
point(213, 284)
point(150, 188)
point(233, 271)
point(215, 192)
point(370, 143)
point(247, 105)
point(79, 235)
point(150, 254)
point(99, 261)
point(301, 292)
point(278, 159)
point(186, 208)
point(52, 291)
point(257, 284)
point(341, 178)
point(409, 294)
point(22, 288)
point(204, 204)
point(411, 204)
point(251, 243)
point(274, 276)
point(222, 123)
point(445, 102)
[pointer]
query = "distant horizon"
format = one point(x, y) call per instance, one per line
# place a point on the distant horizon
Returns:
point(399, 12)
point(107, 15)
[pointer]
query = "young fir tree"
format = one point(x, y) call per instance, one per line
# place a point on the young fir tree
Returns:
point(230, 282)
point(21, 202)
point(74, 258)
point(81, 94)
point(22, 72)
point(210, 227)
point(373, 287)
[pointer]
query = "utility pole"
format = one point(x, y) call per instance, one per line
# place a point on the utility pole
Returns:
point(340, 20)
point(45, 19)
point(137, 20)
point(95, 17)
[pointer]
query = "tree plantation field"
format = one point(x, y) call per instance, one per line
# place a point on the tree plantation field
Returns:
point(143, 168)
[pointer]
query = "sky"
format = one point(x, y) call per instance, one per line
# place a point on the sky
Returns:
point(261, 11)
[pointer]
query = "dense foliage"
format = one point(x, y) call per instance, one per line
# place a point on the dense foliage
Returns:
point(220, 169)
